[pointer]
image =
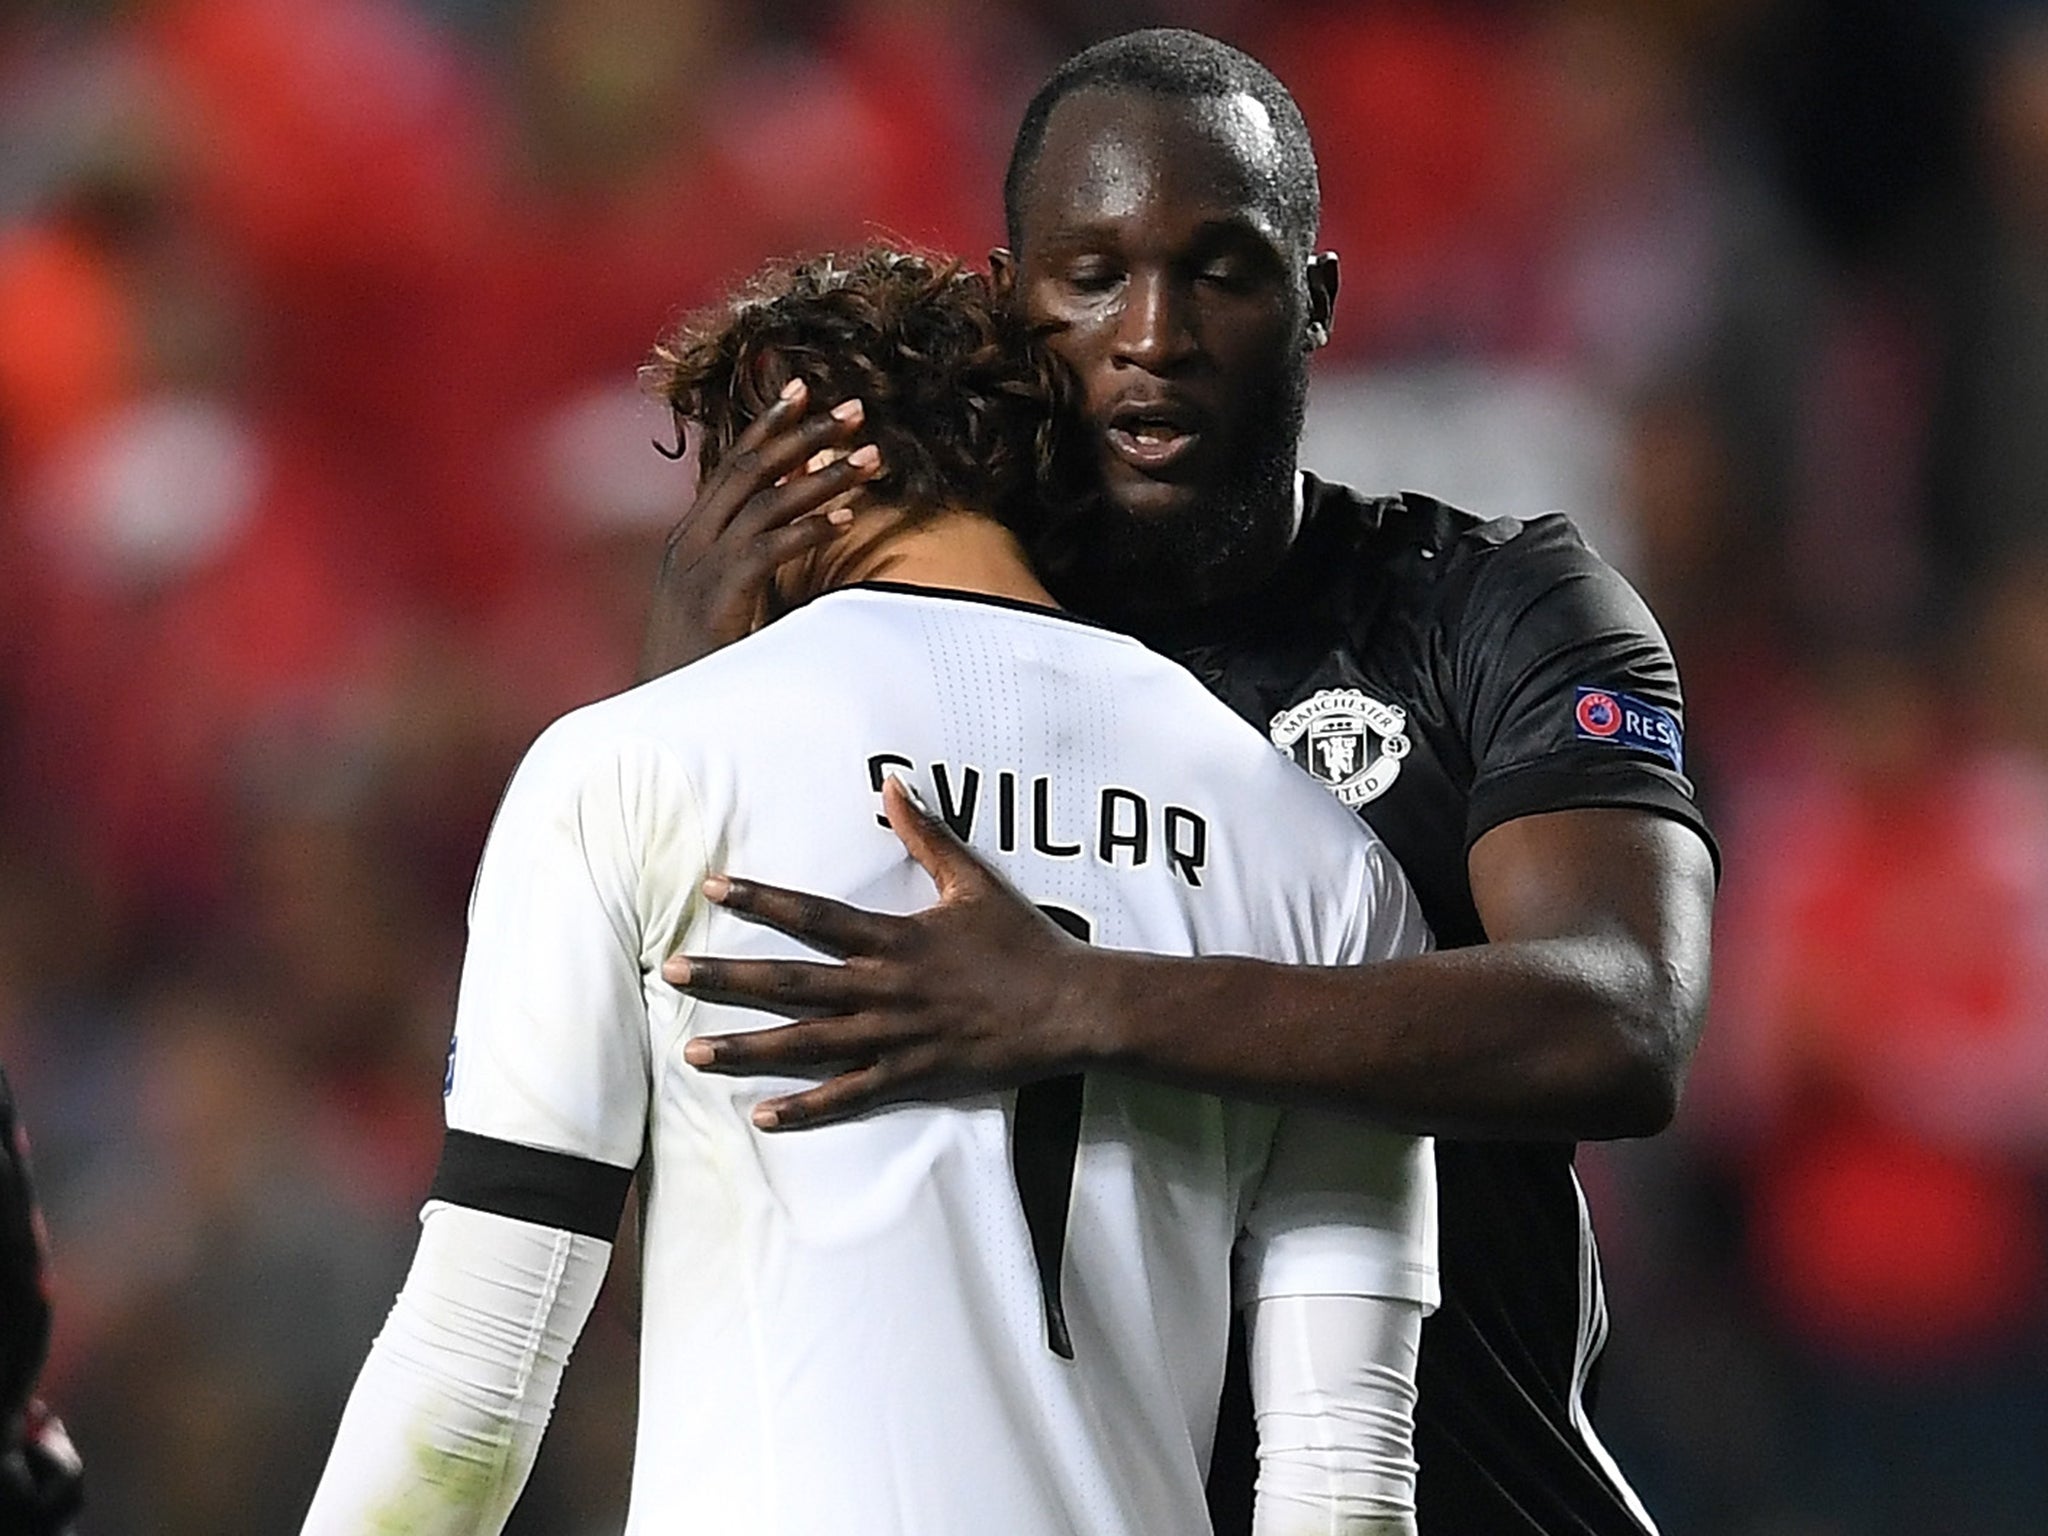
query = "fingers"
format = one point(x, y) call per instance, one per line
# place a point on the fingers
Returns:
point(951, 864)
point(783, 986)
point(782, 442)
point(781, 545)
point(832, 926)
point(838, 1098)
point(720, 498)
point(787, 1047)
point(794, 1047)
point(802, 493)
point(788, 409)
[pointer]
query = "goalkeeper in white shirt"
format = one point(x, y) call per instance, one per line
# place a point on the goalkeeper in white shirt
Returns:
point(1007, 1313)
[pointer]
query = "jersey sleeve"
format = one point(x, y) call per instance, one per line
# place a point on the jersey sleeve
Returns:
point(1345, 1207)
point(1565, 686)
point(1386, 921)
point(547, 1086)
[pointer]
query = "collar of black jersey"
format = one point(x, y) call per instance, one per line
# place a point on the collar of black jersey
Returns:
point(1333, 577)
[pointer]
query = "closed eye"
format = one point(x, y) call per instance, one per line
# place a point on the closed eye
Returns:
point(1092, 277)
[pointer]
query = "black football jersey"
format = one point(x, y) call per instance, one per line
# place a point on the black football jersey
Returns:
point(1444, 674)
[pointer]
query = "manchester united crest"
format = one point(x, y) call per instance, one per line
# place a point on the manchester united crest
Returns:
point(1352, 743)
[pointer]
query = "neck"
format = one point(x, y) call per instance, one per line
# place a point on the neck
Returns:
point(959, 550)
point(1162, 580)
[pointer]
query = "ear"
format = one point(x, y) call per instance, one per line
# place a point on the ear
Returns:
point(1321, 276)
point(1002, 271)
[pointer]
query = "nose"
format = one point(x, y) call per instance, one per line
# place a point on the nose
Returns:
point(1155, 328)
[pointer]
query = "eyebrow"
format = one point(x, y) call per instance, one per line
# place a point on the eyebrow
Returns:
point(1238, 227)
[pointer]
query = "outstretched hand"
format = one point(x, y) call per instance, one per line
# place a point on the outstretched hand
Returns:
point(758, 510)
point(980, 991)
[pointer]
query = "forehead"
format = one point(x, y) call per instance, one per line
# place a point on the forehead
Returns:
point(1122, 156)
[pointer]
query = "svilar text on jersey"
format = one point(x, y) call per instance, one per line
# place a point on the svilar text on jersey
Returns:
point(1014, 811)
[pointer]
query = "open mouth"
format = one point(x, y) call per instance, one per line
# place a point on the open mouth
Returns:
point(1152, 436)
point(1151, 448)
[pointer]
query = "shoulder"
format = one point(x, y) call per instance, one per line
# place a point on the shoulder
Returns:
point(589, 737)
point(753, 681)
point(1464, 555)
point(1436, 568)
point(600, 771)
point(1503, 583)
point(1458, 543)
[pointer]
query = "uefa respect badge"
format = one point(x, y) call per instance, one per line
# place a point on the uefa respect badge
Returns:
point(1623, 720)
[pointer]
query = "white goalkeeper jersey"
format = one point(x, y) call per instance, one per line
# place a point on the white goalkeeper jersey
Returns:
point(1006, 1313)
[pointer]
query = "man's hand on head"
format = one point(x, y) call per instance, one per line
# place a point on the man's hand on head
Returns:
point(980, 991)
point(758, 510)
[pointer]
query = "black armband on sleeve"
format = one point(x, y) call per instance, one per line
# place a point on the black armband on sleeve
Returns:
point(549, 1189)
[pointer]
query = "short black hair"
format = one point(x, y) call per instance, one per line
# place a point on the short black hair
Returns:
point(1184, 66)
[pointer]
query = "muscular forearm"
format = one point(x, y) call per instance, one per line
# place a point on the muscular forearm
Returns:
point(444, 1422)
point(1573, 1038)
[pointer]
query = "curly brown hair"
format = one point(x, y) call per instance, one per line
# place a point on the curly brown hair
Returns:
point(959, 398)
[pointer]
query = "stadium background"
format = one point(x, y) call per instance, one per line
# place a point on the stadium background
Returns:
point(323, 485)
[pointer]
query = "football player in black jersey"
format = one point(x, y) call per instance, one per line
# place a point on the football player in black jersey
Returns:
point(1490, 696)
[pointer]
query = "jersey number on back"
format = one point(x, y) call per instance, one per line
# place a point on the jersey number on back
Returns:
point(1045, 1143)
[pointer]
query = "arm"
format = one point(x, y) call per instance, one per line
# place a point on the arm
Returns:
point(447, 1415)
point(1333, 1395)
point(546, 1101)
point(1577, 1021)
point(1337, 1265)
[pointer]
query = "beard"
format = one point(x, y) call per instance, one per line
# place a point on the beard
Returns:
point(1099, 558)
